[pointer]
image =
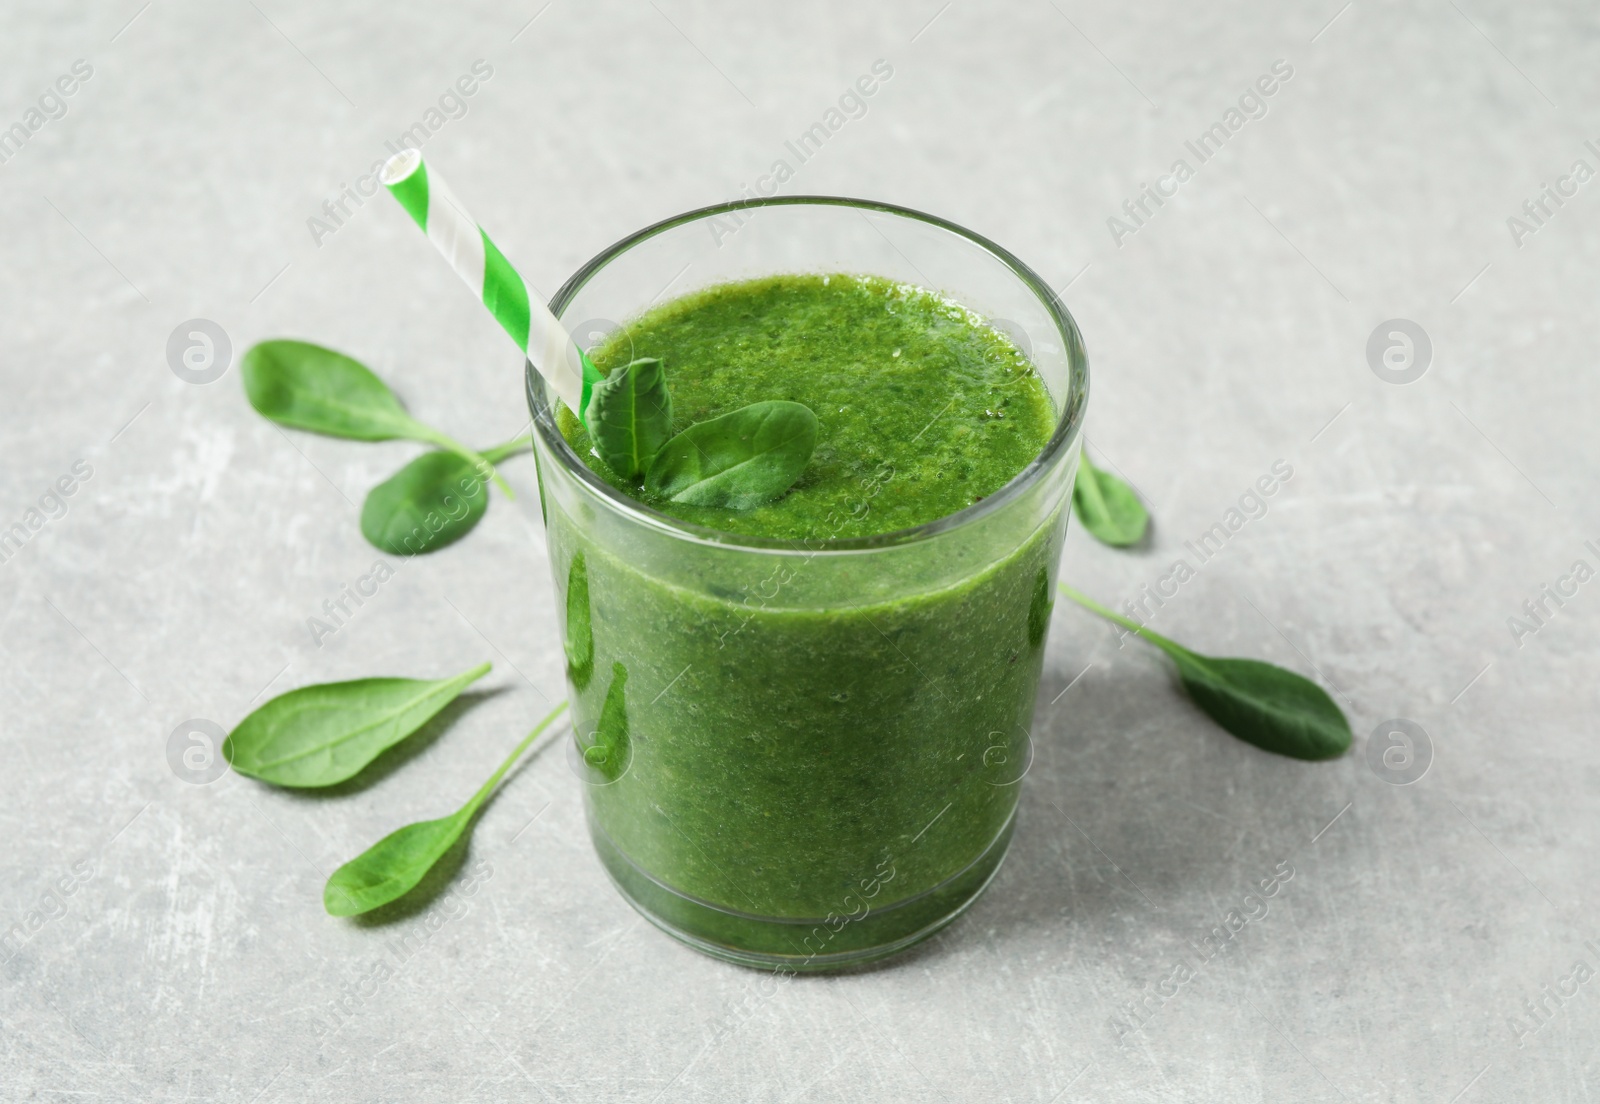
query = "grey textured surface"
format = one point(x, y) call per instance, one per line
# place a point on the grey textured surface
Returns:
point(173, 946)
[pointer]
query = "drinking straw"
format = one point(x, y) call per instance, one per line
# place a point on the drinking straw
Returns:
point(476, 259)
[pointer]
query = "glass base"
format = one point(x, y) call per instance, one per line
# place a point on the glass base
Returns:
point(800, 945)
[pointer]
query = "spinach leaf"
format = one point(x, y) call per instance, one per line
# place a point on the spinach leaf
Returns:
point(630, 416)
point(740, 460)
point(607, 750)
point(1107, 506)
point(1262, 704)
point(321, 735)
point(579, 643)
point(394, 865)
point(306, 386)
point(309, 387)
point(432, 502)
point(1039, 609)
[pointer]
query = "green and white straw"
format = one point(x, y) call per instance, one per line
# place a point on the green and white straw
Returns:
point(539, 333)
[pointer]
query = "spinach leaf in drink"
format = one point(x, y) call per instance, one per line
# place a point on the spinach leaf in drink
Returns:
point(1261, 704)
point(1107, 506)
point(321, 735)
point(1040, 608)
point(432, 502)
point(630, 416)
point(394, 865)
point(306, 386)
point(606, 749)
point(738, 461)
point(579, 643)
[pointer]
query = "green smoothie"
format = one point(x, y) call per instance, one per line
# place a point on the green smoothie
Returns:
point(901, 379)
point(800, 757)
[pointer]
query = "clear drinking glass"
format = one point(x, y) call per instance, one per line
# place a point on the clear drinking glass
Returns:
point(806, 754)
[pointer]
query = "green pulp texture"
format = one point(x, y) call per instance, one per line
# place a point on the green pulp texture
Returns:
point(904, 382)
point(804, 759)
point(774, 762)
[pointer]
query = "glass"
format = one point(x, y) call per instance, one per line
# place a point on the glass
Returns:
point(806, 754)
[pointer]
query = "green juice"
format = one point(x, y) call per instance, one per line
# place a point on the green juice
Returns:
point(903, 381)
point(804, 758)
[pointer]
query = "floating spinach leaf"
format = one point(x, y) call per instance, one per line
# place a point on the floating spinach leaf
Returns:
point(394, 865)
point(306, 386)
point(432, 502)
point(1107, 506)
point(321, 735)
point(606, 750)
point(580, 631)
point(740, 460)
point(1262, 704)
point(630, 416)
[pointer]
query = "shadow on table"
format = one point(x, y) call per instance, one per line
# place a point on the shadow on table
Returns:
point(1135, 808)
point(439, 879)
point(443, 875)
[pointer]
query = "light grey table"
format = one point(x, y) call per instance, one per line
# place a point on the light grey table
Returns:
point(166, 940)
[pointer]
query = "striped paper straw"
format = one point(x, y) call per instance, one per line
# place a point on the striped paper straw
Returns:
point(476, 259)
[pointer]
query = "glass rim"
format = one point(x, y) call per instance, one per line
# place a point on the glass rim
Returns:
point(1074, 405)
